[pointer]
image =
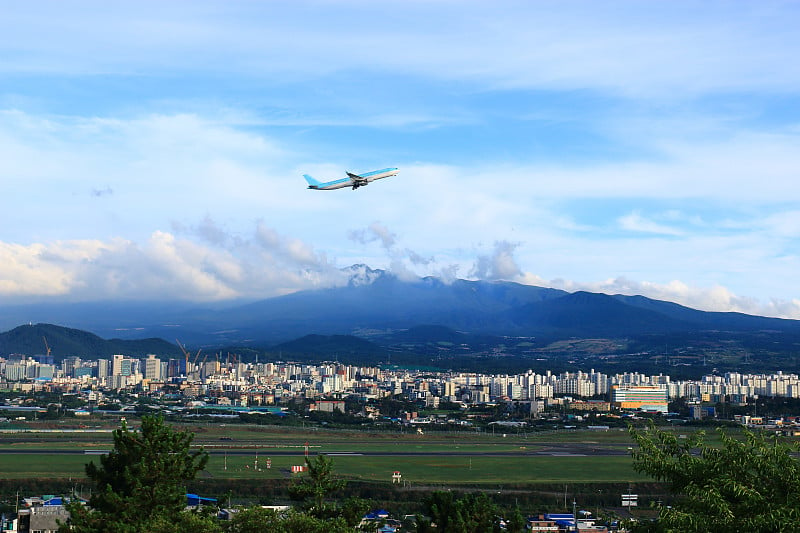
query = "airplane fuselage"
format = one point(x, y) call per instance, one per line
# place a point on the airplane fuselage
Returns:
point(354, 180)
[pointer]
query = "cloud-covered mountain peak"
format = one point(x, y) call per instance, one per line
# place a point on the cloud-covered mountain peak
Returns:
point(361, 274)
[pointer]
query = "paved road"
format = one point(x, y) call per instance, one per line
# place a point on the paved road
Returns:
point(557, 452)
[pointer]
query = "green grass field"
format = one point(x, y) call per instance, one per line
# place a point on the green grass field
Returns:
point(416, 469)
point(489, 470)
point(20, 466)
point(480, 458)
point(443, 458)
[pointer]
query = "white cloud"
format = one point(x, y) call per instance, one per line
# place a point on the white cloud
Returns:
point(637, 223)
point(375, 231)
point(23, 271)
point(500, 265)
point(746, 166)
point(401, 261)
point(164, 268)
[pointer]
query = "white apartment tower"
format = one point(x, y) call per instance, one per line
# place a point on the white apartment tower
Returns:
point(152, 368)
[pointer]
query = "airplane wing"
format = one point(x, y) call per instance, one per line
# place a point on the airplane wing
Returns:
point(358, 181)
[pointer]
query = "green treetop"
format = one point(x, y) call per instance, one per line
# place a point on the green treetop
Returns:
point(317, 484)
point(749, 484)
point(142, 479)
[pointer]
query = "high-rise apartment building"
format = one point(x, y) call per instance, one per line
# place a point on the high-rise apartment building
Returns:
point(152, 368)
point(645, 398)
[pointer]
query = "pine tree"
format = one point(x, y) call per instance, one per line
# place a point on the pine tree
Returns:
point(142, 480)
point(316, 485)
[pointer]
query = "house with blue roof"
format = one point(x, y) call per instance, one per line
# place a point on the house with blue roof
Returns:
point(380, 516)
point(194, 501)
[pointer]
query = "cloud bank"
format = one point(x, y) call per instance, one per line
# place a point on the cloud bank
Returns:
point(206, 263)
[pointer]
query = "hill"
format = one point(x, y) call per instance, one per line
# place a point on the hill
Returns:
point(330, 347)
point(36, 339)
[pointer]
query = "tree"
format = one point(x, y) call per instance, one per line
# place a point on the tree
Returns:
point(353, 510)
point(749, 484)
point(141, 481)
point(260, 520)
point(316, 485)
point(470, 514)
point(183, 522)
point(516, 522)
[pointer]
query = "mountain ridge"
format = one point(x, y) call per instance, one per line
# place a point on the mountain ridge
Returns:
point(374, 300)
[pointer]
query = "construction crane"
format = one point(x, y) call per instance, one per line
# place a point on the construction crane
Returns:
point(185, 354)
point(196, 357)
point(194, 373)
point(47, 346)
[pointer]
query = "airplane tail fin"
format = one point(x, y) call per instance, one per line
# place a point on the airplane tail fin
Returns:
point(310, 180)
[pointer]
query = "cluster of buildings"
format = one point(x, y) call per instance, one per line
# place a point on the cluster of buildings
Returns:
point(232, 382)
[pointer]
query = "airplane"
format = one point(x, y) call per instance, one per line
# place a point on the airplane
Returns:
point(352, 180)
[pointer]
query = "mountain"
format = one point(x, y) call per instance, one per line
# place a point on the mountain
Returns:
point(41, 339)
point(377, 318)
point(387, 303)
point(377, 306)
point(711, 320)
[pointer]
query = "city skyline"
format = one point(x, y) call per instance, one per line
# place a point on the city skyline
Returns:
point(286, 379)
point(157, 151)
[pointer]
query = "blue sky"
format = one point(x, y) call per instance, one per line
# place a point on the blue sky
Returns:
point(155, 149)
